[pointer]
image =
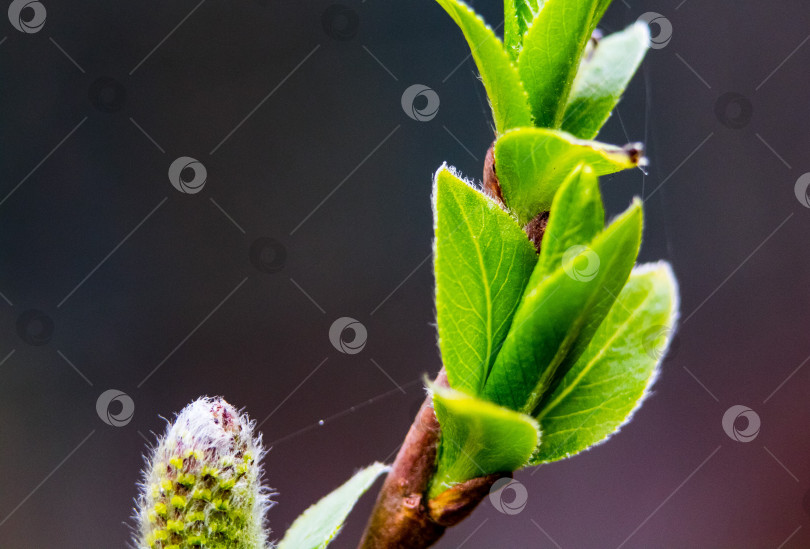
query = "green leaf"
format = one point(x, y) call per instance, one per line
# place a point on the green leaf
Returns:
point(532, 163)
point(602, 79)
point(518, 17)
point(483, 261)
point(321, 523)
point(614, 374)
point(576, 217)
point(478, 438)
point(557, 318)
point(552, 49)
point(506, 94)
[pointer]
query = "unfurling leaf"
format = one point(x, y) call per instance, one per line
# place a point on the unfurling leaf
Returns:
point(609, 381)
point(483, 261)
point(602, 79)
point(532, 163)
point(576, 218)
point(551, 53)
point(510, 108)
point(479, 438)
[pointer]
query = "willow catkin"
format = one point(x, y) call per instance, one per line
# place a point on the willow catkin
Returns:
point(202, 487)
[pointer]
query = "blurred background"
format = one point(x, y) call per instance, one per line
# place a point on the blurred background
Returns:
point(307, 199)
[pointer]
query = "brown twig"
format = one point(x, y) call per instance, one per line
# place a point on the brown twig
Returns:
point(402, 517)
point(491, 185)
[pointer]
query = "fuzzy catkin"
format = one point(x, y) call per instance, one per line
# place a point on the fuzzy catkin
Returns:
point(202, 487)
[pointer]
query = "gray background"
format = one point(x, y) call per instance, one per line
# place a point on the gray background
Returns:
point(327, 164)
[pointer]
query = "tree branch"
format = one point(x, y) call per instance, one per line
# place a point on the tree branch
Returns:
point(402, 517)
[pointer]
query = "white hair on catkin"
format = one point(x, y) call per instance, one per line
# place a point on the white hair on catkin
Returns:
point(202, 485)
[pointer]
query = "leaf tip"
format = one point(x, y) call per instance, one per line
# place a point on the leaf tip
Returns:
point(662, 270)
point(641, 30)
point(635, 212)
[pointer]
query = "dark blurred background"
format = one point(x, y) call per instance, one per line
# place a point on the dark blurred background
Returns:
point(316, 206)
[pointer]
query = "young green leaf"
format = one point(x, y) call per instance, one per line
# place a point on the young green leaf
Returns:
point(518, 17)
point(531, 164)
point(602, 78)
point(552, 49)
point(478, 438)
point(483, 261)
point(510, 108)
point(576, 217)
point(316, 527)
point(613, 376)
point(559, 316)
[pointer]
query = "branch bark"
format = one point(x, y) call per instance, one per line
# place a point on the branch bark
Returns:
point(402, 517)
